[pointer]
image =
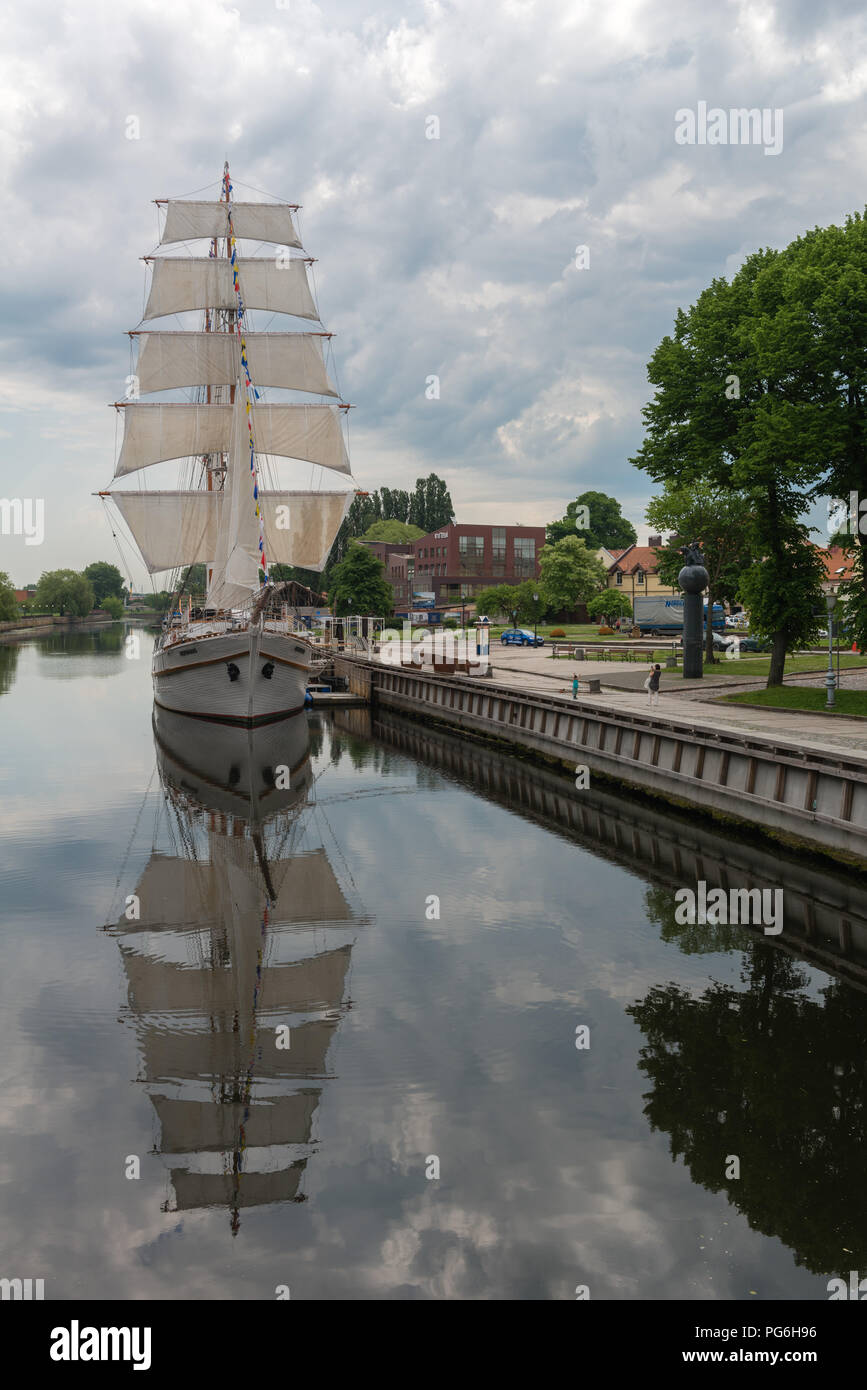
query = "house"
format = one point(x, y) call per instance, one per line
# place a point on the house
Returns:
point(634, 571)
point(838, 564)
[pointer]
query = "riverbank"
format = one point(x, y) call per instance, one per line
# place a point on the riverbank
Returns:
point(28, 626)
point(785, 773)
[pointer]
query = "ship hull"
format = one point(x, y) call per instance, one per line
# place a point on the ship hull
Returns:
point(195, 677)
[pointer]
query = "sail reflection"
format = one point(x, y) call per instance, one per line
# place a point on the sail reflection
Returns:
point(237, 963)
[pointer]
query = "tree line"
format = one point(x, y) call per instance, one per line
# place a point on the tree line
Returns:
point(67, 592)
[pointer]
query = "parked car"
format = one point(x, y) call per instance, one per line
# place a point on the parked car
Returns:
point(755, 644)
point(520, 637)
point(736, 620)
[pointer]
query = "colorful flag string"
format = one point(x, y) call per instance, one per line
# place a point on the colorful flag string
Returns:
point(250, 392)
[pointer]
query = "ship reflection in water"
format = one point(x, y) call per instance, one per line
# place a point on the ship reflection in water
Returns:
point(236, 963)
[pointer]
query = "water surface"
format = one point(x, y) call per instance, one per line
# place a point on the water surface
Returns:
point(435, 921)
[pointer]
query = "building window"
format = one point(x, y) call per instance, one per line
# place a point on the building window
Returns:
point(640, 576)
point(525, 556)
point(471, 550)
point(498, 545)
point(618, 578)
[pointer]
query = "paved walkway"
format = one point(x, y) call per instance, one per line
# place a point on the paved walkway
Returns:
point(524, 669)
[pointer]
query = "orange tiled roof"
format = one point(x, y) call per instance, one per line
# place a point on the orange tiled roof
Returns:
point(836, 558)
point(637, 556)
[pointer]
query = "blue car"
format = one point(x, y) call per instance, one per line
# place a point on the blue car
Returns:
point(520, 637)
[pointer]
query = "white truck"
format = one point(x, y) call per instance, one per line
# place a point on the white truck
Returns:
point(662, 616)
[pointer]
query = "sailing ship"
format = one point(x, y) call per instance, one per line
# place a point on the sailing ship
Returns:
point(237, 654)
point(236, 965)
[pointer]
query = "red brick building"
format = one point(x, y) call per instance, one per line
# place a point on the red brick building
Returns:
point(459, 561)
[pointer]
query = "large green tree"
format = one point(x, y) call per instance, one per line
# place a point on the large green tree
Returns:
point(8, 601)
point(569, 573)
point(106, 579)
point(723, 520)
point(359, 585)
point(65, 592)
point(605, 523)
point(731, 409)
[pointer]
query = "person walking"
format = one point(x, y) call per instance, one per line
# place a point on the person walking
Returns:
point(574, 687)
point(651, 685)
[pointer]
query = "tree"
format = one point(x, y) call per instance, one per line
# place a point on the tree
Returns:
point(530, 601)
point(431, 506)
point(606, 524)
point(106, 579)
point(65, 592)
point(282, 574)
point(394, 504)
point(392, 531)
point(610, 604)
point(824, 336)
point(569, 573)
point(499, 598)
point(8, 601)
point(359, 585)
point(730, 408)
point(112, 604)
point(194, 579)
point(162, 600)
point(723, 521)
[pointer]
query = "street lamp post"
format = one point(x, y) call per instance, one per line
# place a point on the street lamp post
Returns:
point(535, 615)
point(830, 682)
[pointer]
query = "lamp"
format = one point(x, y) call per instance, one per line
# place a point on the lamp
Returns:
point(830, 683)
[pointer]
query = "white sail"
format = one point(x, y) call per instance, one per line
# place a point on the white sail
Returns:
point(201, 1126)
point(154, 432)
point(175, 892)
point(236, 1190)
point(184, 282)
point(171, 528)
point(160, 986)
point(236, 559)
point(188, 221)
point(191, 1055)
point(293, 361)
point(301, 527)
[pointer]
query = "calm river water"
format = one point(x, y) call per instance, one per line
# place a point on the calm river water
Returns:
point(316, 1027)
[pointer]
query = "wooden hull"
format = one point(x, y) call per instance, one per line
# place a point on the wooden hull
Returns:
point(270, 671)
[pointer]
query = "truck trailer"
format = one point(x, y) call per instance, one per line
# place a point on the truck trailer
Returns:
point(661, 615)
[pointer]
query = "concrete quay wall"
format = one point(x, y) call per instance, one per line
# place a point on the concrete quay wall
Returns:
point(815, 796)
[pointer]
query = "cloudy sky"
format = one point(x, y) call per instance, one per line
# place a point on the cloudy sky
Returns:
point(453, 256)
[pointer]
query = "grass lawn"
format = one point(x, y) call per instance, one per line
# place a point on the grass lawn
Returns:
point(802, 697)
point(757, 664)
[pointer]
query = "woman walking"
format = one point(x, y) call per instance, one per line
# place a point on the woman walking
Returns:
point(651, 685)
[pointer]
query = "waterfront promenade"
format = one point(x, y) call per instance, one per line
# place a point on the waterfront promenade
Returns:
point(693, 701)
point(799, 774)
